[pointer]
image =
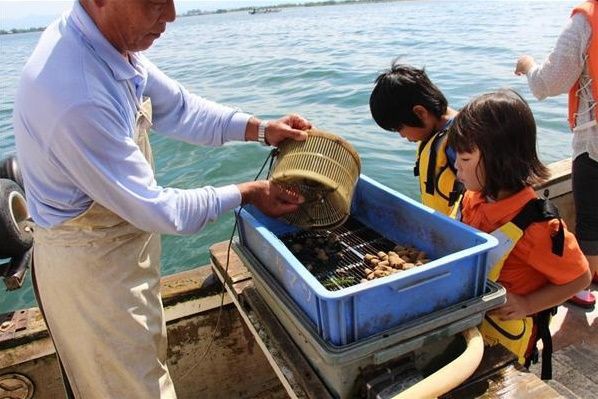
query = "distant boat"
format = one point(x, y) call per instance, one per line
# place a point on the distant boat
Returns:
point(263, 10)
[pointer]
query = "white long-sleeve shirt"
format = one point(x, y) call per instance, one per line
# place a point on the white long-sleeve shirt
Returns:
point(74, 119)
point(559, 72)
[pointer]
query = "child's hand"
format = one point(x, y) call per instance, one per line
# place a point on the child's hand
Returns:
point(515, 308)
point(524, 64)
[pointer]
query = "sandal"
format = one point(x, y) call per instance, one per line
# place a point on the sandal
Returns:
point(585, 299)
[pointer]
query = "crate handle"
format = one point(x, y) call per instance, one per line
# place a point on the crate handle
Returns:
point(425, 280)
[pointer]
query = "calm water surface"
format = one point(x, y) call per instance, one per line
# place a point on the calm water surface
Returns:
point(321, 62)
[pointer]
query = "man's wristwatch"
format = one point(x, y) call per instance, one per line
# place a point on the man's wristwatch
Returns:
point(261, 133)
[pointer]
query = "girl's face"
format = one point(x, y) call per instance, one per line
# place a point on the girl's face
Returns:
point(470, 171)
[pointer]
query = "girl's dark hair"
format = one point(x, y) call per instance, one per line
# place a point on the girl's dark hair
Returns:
point(398, 90)
point(501, 125)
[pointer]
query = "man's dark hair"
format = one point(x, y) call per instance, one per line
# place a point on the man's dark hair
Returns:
point(398, 90)
point(502, 127)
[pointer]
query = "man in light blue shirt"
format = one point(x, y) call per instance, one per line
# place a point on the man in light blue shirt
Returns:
point(77, 82)
point(80, 123)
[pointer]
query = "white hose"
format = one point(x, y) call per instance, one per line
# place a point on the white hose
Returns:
point(451, 375)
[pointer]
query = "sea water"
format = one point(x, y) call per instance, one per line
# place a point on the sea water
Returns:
point(321, 62)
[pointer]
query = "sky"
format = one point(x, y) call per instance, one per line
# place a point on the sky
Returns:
point(36, 13)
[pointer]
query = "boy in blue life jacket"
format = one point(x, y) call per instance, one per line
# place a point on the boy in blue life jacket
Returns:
point(404, 100)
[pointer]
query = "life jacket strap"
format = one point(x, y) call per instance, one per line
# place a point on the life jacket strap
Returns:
point(542, 321)
point(421, 148)
point(456, 193)
point(538, 210)
point(431, 172)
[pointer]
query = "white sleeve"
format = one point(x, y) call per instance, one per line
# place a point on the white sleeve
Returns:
point(188, 117)
point(565, 63)
point(99, 157)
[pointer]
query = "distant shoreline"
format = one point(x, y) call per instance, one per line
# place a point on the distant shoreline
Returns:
point(26, 30)
point(192, 13)
point(196, 12)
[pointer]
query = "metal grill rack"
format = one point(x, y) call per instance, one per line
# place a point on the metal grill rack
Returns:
point(345, 266)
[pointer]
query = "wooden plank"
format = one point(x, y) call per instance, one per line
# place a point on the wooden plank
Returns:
point(291, 354)
point(228, 263)
point(559, 171)
point(285, 355)
point(33, 350)
point(240, 287)
point(287, 380)
point(558, 189)
point(192, 307)
point(26, 325)
point(183, 283)
point(43, 372)
point(212, 355)
point(204, 361)
point(21, 326)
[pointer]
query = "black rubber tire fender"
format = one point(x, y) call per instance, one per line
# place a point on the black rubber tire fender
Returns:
point(16, 235)
point(9, 169)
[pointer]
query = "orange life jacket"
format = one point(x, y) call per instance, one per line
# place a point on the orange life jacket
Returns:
point(589, 10)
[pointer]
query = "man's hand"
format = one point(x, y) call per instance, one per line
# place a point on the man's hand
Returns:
point(270, 198)
point(288, 127)
point(524, 64)
point(515, 308)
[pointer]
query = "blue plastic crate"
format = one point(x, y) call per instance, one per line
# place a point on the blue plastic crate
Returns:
point(457, 272)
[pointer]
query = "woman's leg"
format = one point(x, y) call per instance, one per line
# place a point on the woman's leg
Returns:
point(585, 194)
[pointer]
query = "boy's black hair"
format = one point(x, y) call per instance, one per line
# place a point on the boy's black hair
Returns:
point(501, 125)
point(398, 90)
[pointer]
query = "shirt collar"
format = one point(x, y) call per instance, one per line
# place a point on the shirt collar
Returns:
point(506, 207)
point(82, 22)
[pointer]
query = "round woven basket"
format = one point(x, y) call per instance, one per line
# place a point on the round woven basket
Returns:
point(325, 169)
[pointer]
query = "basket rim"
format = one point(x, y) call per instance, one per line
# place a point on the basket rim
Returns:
point(335, 137)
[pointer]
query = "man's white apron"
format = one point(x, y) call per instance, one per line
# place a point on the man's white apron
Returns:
point(98, 278)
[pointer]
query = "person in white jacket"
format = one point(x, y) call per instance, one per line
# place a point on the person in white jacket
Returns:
point(570, 69)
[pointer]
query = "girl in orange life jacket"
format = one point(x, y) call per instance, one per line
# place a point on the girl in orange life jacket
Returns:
point(405, 101)
point(495, 139)
point(572, 67)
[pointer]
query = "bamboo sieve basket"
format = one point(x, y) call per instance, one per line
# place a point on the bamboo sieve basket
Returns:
point(325, 168)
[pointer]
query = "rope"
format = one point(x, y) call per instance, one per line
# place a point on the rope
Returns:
point(270, 158)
